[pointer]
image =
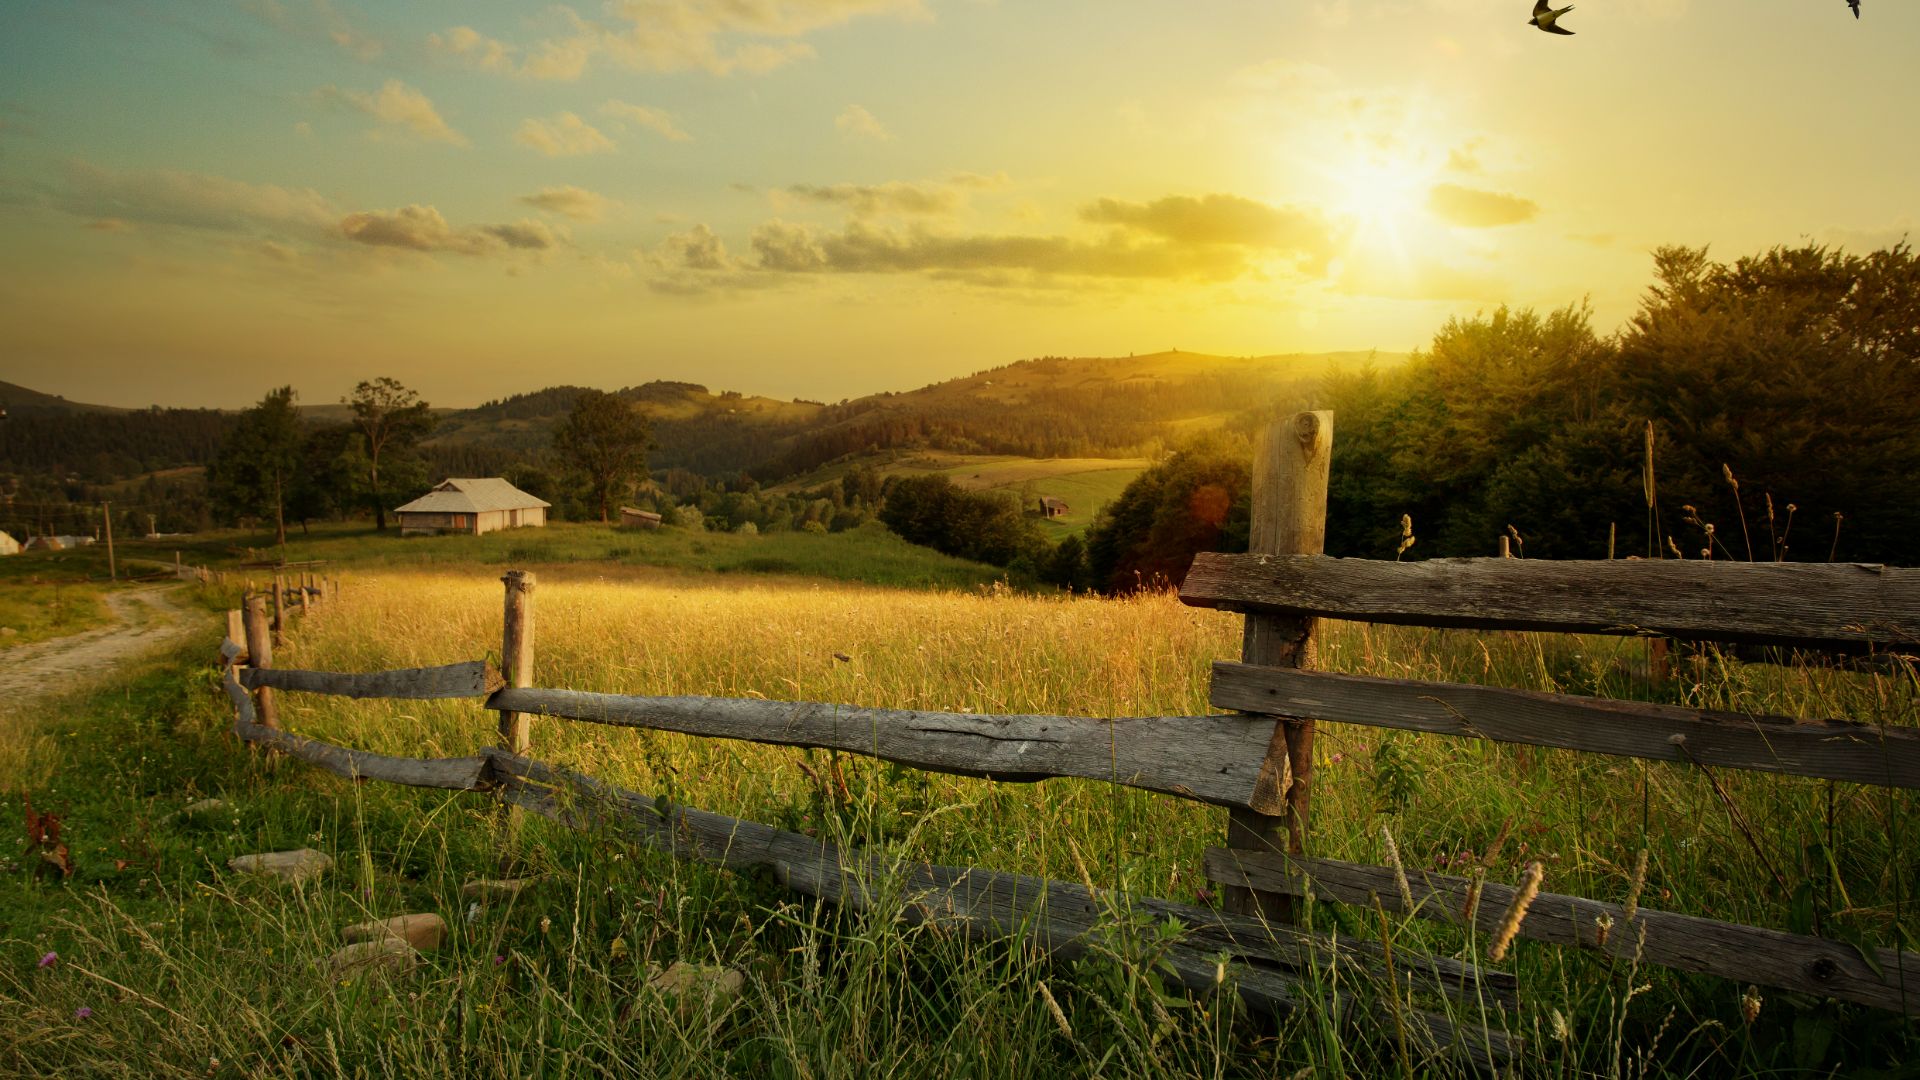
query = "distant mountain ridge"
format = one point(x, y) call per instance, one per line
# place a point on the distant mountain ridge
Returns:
point(1048, 407)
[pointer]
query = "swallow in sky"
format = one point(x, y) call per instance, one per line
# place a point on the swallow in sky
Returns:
point(1546, 16)
point(1855, 5)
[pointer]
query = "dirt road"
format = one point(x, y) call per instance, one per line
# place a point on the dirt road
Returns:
point(144, 620)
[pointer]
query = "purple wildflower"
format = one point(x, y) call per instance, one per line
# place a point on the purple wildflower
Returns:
point(82, 1013)
point(499, 959)
point(49, 960)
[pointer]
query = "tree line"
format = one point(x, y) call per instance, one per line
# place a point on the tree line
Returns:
point(1765, 408)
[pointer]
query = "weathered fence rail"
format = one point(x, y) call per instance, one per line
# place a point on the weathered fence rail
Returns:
point(1256, 762)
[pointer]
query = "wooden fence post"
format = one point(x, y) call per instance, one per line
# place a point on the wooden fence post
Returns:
point(516, 656)
point(279, 596)
point(1289, 518)
point(260, 655)
point(237, 627)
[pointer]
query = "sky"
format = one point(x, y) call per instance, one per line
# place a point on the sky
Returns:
point(826, 198)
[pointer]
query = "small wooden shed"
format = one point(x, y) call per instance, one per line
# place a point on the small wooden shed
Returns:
point(471, 505)
point(1051, 507)
point(635, 518)
point(8, 545)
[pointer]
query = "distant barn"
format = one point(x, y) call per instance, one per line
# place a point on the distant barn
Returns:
point(477, 505)
point(635, 518)
point(56, 543)
point(1051, 507)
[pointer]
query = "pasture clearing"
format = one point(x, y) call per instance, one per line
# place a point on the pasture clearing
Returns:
point(834, 994)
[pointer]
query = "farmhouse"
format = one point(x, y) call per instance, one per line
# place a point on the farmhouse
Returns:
point(635, 518)
point(1051, 507)
point(477, 505)
point(8, 545)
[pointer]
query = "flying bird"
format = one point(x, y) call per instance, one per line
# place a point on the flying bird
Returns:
point(1855, 5)
point(1546, 17)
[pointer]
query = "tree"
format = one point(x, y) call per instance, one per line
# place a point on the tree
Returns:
point(607, 442)
point(392, 420)
point(253, 472)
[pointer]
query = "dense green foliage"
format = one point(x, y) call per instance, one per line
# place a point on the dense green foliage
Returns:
point(1768, 408)
point(390, 421)
point(259, 462)
point(1197, 500)
point(605, 442)
point(989, 528)
point(1787, 379)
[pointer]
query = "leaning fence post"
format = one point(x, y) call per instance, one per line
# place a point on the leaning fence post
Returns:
point(237, 627)
point(516, 655)
point(260, 655)
point(1289, 518)
point(279, 590)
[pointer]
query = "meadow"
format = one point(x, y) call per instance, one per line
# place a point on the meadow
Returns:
point(166, 964)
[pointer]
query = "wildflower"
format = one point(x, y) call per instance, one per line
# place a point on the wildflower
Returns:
point(546, 924)
point(82, 1013)
point(498, 959)
point(50, 959)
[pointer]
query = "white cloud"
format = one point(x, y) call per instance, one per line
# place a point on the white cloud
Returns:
point(423, 229)
point(566, 135)
point(658, 121)
point(856, 122)
point(191, 200)
point(401, 108)
point(574, 202)
point(721, 37)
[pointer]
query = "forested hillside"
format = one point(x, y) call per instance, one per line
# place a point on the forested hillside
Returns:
point(1764, 408)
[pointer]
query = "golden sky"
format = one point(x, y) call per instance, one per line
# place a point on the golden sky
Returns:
point(825, 198)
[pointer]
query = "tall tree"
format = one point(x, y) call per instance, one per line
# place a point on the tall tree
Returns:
point(254, 471)
point(607, 442)
point(392, 420)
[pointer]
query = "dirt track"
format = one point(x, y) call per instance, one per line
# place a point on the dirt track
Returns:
point(144, 620)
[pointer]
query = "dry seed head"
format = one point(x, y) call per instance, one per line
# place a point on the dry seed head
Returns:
point(1522, 900)
point(1727, 471)
point(1750, 1003)
point(1639, 882)
point(1053, 1008)
point(1602, 926)
point(1399, 870)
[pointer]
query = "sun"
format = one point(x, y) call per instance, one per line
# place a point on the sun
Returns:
point(1380, 192)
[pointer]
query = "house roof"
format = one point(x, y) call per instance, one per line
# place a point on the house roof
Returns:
point(472, 496)
point(1049, 501)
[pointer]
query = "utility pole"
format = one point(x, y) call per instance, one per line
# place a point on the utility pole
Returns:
point(106, 511)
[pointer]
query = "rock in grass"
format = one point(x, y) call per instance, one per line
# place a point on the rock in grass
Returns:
point(485, 891)
point(424, 932)
point(387, 955)
point(298, 866)
point(690, 982)
point(202, 809)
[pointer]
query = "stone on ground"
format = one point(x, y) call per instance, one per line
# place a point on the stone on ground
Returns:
point(388, 955)
point(299, 866)
point(687, 981)
point(424, 931)
point(495, 890)
point(203, 808)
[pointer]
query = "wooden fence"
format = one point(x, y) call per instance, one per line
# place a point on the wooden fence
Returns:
point(1256, 761)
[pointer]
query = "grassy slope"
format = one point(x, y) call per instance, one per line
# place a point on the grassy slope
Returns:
point(1086, 483)
point(38, 612)
point(870, 555)
point(233, 960)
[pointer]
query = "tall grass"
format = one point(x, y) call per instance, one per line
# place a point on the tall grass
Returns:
point(181, 962)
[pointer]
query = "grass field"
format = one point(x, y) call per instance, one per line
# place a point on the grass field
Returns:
point(869, 555)
point(1087, 484)
point(188, 970)
point(32, 612)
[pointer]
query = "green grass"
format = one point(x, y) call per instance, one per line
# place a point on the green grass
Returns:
point(869, 554)
point(1087, 484)
point(182, 962)
point(36, 612)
